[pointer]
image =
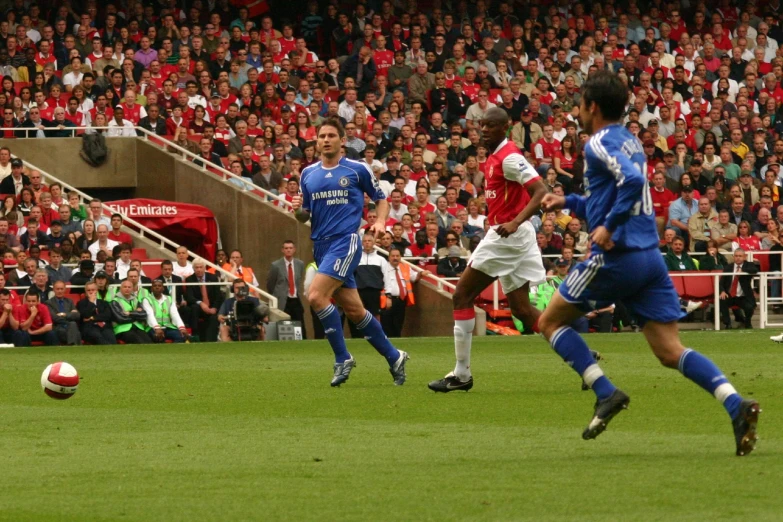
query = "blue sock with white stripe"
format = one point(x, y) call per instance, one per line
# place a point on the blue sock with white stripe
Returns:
point(572, 348)
point(333, 328)
point(706, 374)
point(374, 334)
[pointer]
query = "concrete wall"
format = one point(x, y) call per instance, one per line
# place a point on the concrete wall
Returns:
point(155, 172)
point(60, 157)
point(431, 316)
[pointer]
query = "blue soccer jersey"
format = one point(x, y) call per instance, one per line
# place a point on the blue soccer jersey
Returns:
point(335, 197)
point(617, 194)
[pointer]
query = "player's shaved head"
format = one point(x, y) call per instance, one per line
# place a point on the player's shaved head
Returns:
point(496, 115)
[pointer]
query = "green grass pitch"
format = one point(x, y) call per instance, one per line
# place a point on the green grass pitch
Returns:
point(254, 432)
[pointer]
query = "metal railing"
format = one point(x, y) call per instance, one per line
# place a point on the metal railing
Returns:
point(149, 136)
point(146, 232)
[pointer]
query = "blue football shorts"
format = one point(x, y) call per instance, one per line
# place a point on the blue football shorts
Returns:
point(338, 258)
point(638, 279)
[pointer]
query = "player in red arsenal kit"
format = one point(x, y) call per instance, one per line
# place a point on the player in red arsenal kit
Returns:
point(513, 190)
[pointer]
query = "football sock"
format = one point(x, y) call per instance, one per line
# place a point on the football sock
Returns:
point(373, 332)
point(570, 346)
point(706, 374)
point(464, 322)
point(333, 329)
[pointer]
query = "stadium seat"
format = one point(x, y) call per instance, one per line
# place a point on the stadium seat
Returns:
point(700, 288)
point(152, 270)
point(139, 253)
point(679, 284)
point(763, 260)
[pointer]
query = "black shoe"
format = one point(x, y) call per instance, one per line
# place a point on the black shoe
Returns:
point(748, 325)
point(596, 357)
point(727, 326)
point(450, 383)
point(605, 410)
point(745, 427)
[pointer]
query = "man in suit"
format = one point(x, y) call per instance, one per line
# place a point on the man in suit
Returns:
point(172, 285)
point(30, 266)
point(204, 302)
point(739, 211)
point(34, 126)
point(736, 290)
point(285, 281)
point(13, 184)
point(64, 316)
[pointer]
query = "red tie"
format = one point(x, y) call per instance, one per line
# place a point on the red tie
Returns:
point(291, 287)
point(399, 284)
point(734, 283)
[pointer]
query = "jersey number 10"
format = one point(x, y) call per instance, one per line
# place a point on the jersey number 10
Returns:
point(645, 206)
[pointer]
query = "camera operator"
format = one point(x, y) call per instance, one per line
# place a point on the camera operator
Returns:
point(241, 317)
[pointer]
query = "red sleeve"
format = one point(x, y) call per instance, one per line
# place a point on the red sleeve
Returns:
point(43, 313)
point(20, 313)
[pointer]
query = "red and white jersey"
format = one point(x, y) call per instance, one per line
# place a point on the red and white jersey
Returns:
point(225, 102)
point(77, 119)
point(471, 89)
point(42, 60)
point(286, 46)
point(383, 60)
point(134, 114)
point(544, 149)
point(508, 175)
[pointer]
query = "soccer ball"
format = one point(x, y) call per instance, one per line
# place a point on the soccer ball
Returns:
point(59, 380)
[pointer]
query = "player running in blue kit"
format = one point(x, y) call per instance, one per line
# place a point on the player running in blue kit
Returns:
point(625, 265)
point(332, 198)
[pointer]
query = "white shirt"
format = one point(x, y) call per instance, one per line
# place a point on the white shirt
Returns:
point(95, 248)
point(183, 271)
point(103, 220)
point(346, 111)
point(737, 270)
point(197, 100)
point(478, 221)
point(398, 213)
point(126, 130)
point(390, 285)
point(152, 322)
point(122, 268)
point(73, 78)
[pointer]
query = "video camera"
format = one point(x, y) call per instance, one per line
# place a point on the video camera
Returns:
point(245, 316)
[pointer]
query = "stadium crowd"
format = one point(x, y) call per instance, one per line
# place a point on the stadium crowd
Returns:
point(410, 81)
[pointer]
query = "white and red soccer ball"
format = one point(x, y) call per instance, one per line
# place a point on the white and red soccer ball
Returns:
point(59, 380)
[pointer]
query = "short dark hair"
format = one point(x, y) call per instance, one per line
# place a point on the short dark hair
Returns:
point(334, 123)
point(607, 91)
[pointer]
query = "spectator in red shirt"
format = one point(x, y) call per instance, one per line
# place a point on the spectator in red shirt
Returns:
point(661, 198)
point(545, 149)
point(31, 321)
point(115, 234)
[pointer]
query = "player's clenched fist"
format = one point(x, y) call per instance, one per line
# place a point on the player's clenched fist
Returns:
point(296, 202)
point(552, 202)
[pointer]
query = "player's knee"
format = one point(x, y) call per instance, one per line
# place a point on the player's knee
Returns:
point(548, 325)
point(668, 356)
point(318, 299)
